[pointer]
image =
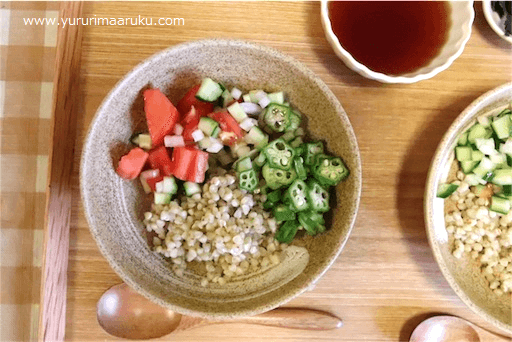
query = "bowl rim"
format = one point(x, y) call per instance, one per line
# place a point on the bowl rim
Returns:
point(468, 114)
point(357, 173)
point(363, 70)
point(486, 6)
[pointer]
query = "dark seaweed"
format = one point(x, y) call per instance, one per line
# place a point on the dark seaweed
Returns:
point(504, 9)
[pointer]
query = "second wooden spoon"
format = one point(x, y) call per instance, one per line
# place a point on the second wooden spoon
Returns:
point(124, 313)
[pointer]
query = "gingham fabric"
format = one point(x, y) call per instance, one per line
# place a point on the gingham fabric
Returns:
point(27, 56)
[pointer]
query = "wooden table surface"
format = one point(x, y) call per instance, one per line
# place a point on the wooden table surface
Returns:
point(386, 279)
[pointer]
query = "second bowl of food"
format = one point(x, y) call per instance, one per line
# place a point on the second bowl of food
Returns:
point(220, 178)
point(467, 206)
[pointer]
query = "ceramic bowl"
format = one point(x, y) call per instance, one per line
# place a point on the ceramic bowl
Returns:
point(494, 20)
point(114, 208)
point(464, 275)
point(462, 15)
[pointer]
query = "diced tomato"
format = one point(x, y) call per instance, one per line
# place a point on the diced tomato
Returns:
point(191, 116)
point(189, 100)
point(190, 164)
point(159, 159)
point(197, 174)
point(182, 158)
point(228, 123)
point(161, 115)
point(152, 182)
point(132, 163)
point(188, 130)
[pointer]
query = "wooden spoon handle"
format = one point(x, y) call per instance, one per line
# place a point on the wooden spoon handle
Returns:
point(305, 319)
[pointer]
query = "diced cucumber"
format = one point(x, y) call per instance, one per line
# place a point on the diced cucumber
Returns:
point(484, 120)
point(506, 147)
point(191, 188)
point(500, 205)
point(256, 137)
point(243, 164)
point(478, 189)
point(468, 165)
point(207, 125)
point(446, 190)
point(476, 155)
point(170, 185)
point(502, 177)
point(256, 95)
point(463, 139)
point(226, 98)
point(247, 98)
point(276, 97)
point(463, 153)
point(237, 112)
point(507, 190)
point(478, 131)
point(209, 90)
point(216, 132)
point(485, 166)
point(499, 159)
point(142, 140)
point(505, 111)
point(486, 146)
point(488, 176)
point(162, 198)
point(502, 127)
point(473, 179)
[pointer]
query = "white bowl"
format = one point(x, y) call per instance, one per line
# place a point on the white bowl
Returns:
point(462, 15)
point(494, 20)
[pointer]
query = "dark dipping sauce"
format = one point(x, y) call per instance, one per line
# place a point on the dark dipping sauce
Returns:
point(395, 37)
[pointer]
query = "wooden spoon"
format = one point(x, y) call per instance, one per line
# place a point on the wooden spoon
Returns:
point(449, 328)
point(124, 313)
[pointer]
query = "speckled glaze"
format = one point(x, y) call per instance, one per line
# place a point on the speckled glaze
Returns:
point(464, 275)
point(114, 207)
point(462, 16)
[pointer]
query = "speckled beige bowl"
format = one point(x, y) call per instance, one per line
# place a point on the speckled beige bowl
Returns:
point(464, 275)
point(114, 207)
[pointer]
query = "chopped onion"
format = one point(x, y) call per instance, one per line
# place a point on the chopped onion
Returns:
point(264, 102)
point(236, 93)
point(159, 186)
point(243, 150)
point(251, 108)
point(205, 143)
point(197, 135)
point(215, 146)
point(150, 174)
point(247, 124)
point(174, 141)
point(178, 129)
point(260, 95)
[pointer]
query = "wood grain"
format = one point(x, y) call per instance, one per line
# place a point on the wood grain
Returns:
point(59, 193)
point(386, 280)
